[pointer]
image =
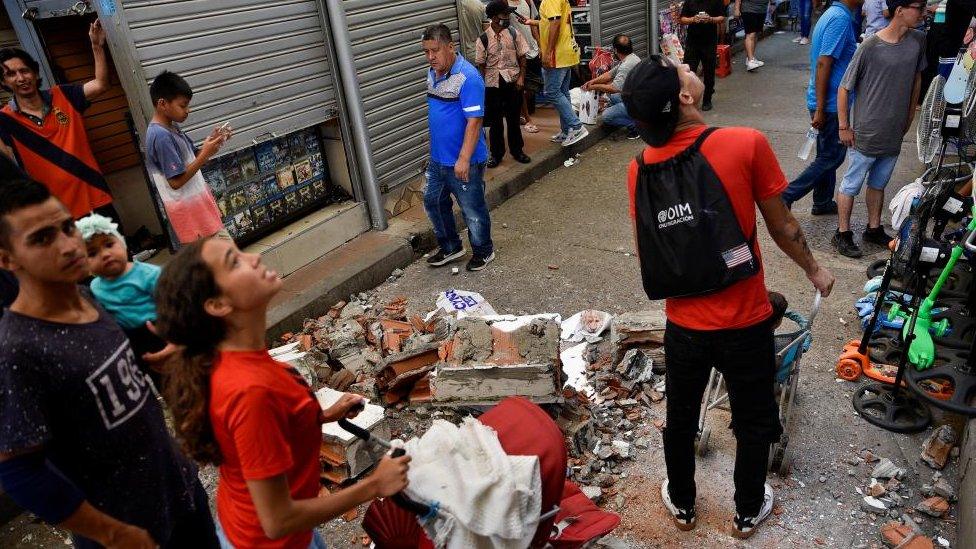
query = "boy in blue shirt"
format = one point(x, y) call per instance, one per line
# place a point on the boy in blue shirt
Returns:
point(126, 289)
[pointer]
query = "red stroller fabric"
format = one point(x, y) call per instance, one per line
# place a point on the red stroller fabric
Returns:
point(587, 521)
point(523, 429)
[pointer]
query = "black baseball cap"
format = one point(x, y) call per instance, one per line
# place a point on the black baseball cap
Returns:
point(651, 96)
point(498, 7)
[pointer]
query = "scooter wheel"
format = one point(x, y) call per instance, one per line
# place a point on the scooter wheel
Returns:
point(876, 269)
point(848, 370)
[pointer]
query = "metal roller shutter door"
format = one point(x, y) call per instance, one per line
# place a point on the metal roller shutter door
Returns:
point(624, 17)
point(391, 67)
point(262, 66)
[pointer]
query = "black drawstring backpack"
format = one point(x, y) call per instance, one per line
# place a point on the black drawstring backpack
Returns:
point(688, 237)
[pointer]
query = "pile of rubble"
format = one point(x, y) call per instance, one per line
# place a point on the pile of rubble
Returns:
point(888, 495)
point(423, 367)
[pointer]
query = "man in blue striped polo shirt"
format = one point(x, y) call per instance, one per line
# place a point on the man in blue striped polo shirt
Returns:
point(456, 106)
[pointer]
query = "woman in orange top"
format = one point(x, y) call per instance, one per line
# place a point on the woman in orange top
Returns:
point(237, 407)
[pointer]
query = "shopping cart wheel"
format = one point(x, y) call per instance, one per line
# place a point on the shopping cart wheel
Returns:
point(701, 443)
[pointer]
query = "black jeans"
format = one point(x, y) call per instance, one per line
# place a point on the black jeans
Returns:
point(746, 358)
point(504, 103)
point(705, 54)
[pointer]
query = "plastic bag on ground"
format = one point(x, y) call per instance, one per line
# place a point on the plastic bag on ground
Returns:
point(585, 325)
point(464, 303)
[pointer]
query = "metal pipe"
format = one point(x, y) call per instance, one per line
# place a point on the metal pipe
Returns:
point(354, 111)
point(655, 28)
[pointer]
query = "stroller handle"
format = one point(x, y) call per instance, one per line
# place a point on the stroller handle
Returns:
point(817, 299)
point(401, 499)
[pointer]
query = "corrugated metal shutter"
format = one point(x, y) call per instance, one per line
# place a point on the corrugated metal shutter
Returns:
point(261, 66)
point(391, 67)
point(8, 39)
point(624, 17)
point(69, 54)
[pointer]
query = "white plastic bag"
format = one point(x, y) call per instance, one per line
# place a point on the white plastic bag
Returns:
point(589, 107)
point(464, 303)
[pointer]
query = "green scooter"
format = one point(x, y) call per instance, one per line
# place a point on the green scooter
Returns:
point(922, 350)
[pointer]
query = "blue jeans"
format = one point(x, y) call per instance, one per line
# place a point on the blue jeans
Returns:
point(557, 93)
point(316, 543)
point(821, 175)
point(806, 14)
point(470, 196)
point(876, 170)
point(616, 113)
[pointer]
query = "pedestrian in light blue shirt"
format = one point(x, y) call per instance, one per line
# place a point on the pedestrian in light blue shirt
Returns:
point(875, 16)
point(831, 50)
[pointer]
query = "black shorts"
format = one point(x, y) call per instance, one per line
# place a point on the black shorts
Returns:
point(753, 22)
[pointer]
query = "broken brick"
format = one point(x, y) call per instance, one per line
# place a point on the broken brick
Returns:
point(397, 374)
point(935, 506)
point(936, 449)
point(895, 533)
point(350, 515)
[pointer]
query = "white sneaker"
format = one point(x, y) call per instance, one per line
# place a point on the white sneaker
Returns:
point(752, 64)
point(797, 39)
point(574, 136)
point(804, 41)
point(745, 527)
point(558, 138)
point(684, 519)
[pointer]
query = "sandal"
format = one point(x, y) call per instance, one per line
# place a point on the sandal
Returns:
point(531, 128)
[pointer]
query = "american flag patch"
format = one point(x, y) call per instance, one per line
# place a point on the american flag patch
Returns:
point(737, 256)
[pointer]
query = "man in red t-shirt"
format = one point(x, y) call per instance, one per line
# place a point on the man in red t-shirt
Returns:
point(730, 328)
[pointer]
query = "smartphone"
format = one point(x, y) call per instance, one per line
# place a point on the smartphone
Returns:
point(520, 17)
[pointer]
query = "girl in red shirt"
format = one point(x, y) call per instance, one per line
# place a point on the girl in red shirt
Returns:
point(236, 407)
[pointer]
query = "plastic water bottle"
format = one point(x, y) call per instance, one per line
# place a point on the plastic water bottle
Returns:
point(940, 12)
point(808, 145)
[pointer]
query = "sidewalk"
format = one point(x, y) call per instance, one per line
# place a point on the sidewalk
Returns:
point(367, 260)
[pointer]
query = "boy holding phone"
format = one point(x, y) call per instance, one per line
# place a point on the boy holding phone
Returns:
point(703, 18)
point(174, 163)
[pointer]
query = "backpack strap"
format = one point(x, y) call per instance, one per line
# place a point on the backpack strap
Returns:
point(701, 138)
point(512, 31)
point(484, 42)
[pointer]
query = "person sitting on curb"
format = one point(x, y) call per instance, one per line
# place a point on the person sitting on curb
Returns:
point(612, 82)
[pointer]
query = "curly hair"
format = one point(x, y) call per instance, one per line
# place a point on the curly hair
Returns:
point(184, 286)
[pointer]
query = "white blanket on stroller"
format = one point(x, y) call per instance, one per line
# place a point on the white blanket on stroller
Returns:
point(487, 498)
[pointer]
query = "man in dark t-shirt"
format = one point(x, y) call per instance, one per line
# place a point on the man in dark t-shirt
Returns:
point(83, 444)
point(703, 18)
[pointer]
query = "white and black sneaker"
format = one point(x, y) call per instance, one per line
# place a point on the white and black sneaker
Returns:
point(440, 258)
point(575, 135)
point(684, 519)
point(476, 263)
point(745, 527)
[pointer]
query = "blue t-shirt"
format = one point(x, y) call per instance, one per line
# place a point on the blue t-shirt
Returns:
point(833, 36)
point(451, 101)
point(164, 152)
point(129, 297)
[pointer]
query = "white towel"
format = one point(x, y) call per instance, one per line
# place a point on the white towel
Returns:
point(487, 498)
point(901, 205)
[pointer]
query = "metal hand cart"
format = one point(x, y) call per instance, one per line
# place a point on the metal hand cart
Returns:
point(790, 347)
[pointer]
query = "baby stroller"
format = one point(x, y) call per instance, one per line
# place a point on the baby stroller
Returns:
point(790, 346)
point(569, 519)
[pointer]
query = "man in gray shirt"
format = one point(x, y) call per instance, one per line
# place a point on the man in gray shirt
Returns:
point(885, 73)
point(753, 14)
point(612, 82)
